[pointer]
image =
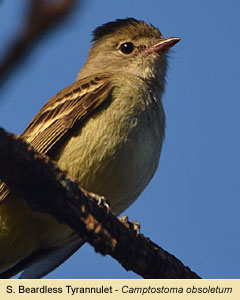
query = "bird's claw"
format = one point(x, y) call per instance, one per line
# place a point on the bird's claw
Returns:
point(135, 225)
point(101, 201)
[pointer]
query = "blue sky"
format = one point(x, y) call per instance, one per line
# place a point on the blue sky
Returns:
point(191, 207)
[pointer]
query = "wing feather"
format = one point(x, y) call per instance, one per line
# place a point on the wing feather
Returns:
point(62, 112)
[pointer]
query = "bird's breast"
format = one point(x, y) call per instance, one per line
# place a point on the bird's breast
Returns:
point(116, 152)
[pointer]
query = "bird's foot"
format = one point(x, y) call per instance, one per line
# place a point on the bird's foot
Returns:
point(101, 201)
point(135, 225)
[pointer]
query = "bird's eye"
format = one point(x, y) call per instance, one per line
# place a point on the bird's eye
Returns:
point(126, 47)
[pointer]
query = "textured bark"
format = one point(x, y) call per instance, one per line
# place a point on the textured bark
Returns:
point(36, 179)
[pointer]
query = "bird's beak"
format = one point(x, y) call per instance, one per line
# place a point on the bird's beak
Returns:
point(163, 44)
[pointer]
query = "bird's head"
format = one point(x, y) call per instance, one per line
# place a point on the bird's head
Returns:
point(128, 46)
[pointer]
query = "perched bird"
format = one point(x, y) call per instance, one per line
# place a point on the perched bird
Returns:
point(106, 129)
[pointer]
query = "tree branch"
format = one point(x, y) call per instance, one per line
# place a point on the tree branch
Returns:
point(41, 18)
point(35, 178)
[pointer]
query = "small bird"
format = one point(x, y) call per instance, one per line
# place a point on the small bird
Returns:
point(106, 130)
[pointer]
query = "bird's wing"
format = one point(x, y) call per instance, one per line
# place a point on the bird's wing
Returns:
point(53, 122)
point(66, 108)
point(50, 261)
point(70, 106)
point(42, 262)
